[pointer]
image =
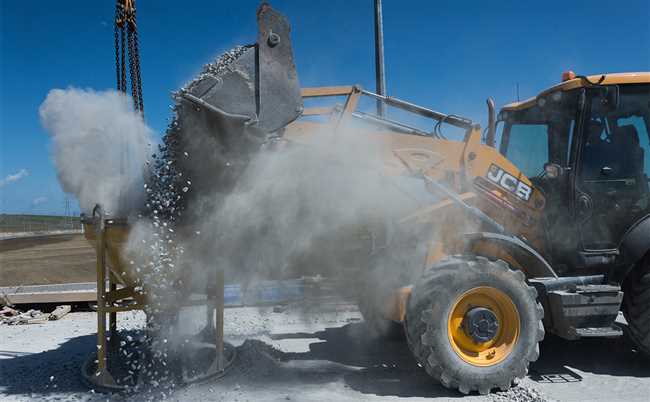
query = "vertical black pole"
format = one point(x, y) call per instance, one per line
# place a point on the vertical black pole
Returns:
point(379, 58)
point(517, 92)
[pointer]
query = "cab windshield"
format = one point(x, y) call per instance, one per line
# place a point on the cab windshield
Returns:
point(542, 133)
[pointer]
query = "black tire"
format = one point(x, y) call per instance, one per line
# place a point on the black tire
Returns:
point(636, 306)
point(431, 302)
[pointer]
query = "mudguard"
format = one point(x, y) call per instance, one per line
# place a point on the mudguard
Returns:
point(529, 260)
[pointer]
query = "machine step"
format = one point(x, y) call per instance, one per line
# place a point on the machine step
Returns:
point(604, 332)
point(584, 311)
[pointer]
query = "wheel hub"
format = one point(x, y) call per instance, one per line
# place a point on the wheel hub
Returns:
point(481, 324)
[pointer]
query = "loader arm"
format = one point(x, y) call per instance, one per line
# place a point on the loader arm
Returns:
point(474, 176)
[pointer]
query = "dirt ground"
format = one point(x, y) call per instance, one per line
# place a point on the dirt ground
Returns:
point(311, 354)
point(46, 260)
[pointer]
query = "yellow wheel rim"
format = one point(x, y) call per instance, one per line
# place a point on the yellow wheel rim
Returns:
point(501, 345)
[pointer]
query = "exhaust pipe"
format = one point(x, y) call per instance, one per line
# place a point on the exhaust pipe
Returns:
point(492, 123)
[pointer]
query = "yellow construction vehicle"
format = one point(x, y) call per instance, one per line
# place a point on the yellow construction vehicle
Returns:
point(548, 232)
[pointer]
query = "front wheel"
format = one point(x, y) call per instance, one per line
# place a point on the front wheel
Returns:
point(474, 324)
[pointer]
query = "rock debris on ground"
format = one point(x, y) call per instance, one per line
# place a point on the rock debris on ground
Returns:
point(519, 394)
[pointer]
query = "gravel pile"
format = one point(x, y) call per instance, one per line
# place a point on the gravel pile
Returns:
point(519, 394)
point(256, 359)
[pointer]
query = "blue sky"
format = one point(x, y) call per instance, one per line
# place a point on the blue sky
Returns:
point(447, 55)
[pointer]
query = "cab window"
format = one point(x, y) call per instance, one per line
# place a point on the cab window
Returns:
point(542, 133)
point(528, 147)
point(642, 139)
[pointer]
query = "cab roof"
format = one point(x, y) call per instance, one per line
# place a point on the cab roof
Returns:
point(609, 79)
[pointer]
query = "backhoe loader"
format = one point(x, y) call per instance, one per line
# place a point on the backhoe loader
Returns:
point(547, 231)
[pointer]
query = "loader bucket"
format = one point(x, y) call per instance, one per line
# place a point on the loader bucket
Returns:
point(255, 85)
point(236, 104)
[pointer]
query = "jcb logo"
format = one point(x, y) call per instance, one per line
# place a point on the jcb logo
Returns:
point(507, 181)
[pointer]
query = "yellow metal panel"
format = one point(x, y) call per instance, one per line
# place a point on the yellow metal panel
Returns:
point(116, 238)
point(326, 91)
point(315, 111)
point(610, 79)
point(397, 303)
point(435, 253)
point(435, 212)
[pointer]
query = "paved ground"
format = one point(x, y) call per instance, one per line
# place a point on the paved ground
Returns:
point(311, 355)
point(42, 260)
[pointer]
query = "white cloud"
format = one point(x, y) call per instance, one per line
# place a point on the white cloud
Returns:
point(13, 177)
point(39, 200)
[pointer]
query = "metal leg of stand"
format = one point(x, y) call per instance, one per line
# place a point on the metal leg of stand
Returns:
point(102, 374)
point(219, 305)
point(112, 317)
point(101, 312)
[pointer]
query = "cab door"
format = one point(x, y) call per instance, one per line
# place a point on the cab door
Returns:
point(612, 180)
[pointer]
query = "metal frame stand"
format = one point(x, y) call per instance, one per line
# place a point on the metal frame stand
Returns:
point(111, 300)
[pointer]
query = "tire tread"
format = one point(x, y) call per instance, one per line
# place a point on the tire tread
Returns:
point(417, 330)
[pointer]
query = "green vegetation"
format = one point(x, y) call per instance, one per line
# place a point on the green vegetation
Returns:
point(10, 223)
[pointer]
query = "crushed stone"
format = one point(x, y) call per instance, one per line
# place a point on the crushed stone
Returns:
point(218, 67)
point(519, 394)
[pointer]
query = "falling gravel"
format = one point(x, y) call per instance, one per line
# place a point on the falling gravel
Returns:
point(218, 67)
point(156, 247)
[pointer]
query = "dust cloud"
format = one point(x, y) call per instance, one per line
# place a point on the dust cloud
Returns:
point(217, 198)
point(310, 207)
point(100, 147)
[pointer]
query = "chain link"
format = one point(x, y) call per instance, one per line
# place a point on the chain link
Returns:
point(126, 45)
point(138, 79)
point(117, 48)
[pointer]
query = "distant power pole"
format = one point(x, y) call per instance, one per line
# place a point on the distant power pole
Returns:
point(66, 211)
point(380, 77)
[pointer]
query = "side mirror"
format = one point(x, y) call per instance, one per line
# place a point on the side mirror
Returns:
point(609, 97)
point(553, 170)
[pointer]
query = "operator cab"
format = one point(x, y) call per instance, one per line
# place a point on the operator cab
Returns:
point(585, 144)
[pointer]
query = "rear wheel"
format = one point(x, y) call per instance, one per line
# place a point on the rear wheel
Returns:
point(636, 302)
point(474, 324)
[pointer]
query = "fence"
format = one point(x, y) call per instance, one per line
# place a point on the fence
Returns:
point(35, 225)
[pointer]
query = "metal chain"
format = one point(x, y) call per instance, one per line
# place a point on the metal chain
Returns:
point(138, 79)
point(135, 75)
point(123, 58)
point(117, 49)
point(119, 16)
point(136, 103)
point(126, 45)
